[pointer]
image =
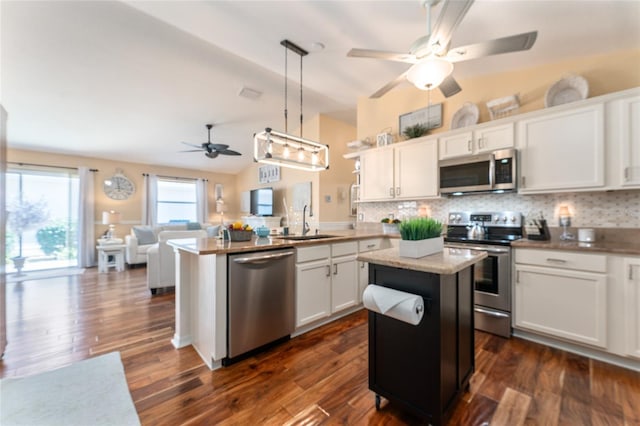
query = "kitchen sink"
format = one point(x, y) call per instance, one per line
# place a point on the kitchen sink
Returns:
point(307, 237)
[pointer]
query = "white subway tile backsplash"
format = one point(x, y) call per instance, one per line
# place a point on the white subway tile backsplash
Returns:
point(615, 209)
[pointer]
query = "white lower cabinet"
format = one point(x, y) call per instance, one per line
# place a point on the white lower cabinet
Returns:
point(326, 280)
point(313, 284)
point(632, 305)
point(562, 294)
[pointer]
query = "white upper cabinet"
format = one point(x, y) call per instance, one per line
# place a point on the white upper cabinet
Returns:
point(625, 121)
point(404, 171)
point(376, 174)
point(416, 169)
point(484, 139)
point(562, 150)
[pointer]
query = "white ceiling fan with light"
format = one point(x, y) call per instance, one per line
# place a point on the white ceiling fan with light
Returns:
point(432, 58)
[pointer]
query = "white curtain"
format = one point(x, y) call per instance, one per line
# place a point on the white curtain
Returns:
point(86, 220)
point(150, 200)
point(202, 200)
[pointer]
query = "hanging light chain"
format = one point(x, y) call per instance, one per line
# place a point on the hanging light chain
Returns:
point(286, 112)
point(301, 95)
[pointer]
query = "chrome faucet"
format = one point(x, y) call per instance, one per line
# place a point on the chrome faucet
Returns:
point(305, 224)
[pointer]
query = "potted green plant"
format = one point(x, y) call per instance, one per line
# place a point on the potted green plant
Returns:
point(420, 236)
point(415, 131)
point(22, 216)
point(390, 226)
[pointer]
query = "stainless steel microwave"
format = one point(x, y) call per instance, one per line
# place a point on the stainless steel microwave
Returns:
point(495, 171)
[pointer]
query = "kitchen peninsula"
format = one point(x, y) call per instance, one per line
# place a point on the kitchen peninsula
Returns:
point(201, 285)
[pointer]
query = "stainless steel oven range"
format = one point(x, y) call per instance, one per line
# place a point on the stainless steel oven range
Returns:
point(492, 232)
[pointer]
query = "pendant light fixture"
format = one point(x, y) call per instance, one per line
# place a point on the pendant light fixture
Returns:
point(284, 149)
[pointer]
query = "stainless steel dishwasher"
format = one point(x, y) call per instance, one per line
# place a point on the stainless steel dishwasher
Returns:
point(261, 299)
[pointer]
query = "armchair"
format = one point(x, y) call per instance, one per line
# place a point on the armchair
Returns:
point(161, 263)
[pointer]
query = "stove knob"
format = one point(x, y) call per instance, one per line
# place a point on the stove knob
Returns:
point(452, 218)
point(458, 218)
point(513, 219)
point(504, 219)
point(496, 219)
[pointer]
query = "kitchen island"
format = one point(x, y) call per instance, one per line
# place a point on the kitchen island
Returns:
point(425, 367)
point(201, 286)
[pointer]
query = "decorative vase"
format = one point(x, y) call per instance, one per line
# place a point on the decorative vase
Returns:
point(18, 263)
point(421, 248)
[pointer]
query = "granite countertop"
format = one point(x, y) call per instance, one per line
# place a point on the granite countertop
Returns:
point(625, 248)
point(202, 246)
point(448, 261)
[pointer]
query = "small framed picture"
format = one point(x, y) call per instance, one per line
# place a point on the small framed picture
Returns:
point(268, 173)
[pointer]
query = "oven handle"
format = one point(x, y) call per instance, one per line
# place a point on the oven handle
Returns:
point(480, 248)
point(490, 313)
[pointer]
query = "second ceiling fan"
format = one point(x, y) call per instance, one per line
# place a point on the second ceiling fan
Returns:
point(211, 150)
point(432, 58)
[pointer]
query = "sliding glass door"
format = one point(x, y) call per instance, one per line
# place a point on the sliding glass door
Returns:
point(42, 219)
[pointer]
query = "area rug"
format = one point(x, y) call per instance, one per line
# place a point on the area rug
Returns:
point(42, 275)
point(89, 392)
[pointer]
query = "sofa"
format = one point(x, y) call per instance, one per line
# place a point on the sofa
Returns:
point(161, 263)
point(142, 238)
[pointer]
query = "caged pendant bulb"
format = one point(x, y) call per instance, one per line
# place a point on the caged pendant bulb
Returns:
point(285, 151)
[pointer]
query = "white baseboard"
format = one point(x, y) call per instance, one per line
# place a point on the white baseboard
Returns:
point(629, 363)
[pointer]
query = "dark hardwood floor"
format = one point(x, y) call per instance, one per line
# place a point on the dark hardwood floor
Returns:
point(317, 378)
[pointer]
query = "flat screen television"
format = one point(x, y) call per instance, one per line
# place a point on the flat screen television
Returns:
point(262, 202)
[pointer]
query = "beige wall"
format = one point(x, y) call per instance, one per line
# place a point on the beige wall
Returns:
point(605, 74)
point(326, 130)
point(335, 182)
point(130, 209)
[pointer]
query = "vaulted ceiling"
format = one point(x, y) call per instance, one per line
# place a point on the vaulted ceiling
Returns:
point(131, 80)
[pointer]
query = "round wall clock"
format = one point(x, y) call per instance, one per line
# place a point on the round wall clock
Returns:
point(118, 187)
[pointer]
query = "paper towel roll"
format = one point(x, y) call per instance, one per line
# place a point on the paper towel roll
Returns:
point(396, 304)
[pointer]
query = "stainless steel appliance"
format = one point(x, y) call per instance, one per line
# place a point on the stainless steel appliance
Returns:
point(261, 297)
point(495, 171)
point(492, 276)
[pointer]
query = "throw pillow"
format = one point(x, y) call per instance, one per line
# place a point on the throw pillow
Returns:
point(144, 235)
point(193, 226)
point(212, 231)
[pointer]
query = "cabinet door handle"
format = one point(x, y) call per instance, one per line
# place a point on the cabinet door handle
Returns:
point(391, 191)
point(335, 269)
point(361, 265)
point(554, 260)
point(630, 272)
point(397, 190)
point(328, 271)
point(469, 145)
point(524, 179)
point(517, 277)
point(480, 142)
point(626, 174)
point(371, 245)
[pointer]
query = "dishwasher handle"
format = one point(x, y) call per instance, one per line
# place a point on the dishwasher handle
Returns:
point(262, 259)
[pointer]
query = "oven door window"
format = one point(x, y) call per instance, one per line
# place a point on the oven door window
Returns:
point(486, 275)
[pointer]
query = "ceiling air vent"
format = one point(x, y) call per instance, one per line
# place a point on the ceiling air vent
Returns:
point(247, 92)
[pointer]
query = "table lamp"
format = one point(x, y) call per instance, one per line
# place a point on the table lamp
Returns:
point(111, 218)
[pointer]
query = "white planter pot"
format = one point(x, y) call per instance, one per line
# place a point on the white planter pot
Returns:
point(390, 228)
point(421, 248)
